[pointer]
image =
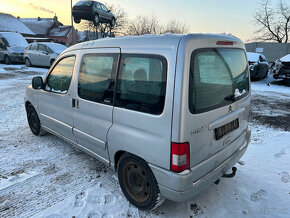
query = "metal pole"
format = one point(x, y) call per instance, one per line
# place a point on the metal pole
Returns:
point(72, 23)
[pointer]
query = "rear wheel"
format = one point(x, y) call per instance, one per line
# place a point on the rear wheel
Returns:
point(33, 121)
point(77, 20)
point(27, 62)
point(7, 60)
point(96, 19)
point(138, 182)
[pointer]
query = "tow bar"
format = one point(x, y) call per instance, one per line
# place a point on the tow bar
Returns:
point(231, 175)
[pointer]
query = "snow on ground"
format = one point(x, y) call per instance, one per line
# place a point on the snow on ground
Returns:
point(47, 177)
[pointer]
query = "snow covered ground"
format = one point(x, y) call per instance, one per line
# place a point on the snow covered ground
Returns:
point(47, 177)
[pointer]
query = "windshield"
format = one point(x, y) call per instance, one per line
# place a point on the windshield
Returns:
point(57, 48)
point(84, 3)
point(14, 39)
point(218, 77)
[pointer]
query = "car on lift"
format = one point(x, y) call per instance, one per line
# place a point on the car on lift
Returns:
point(259, 66)
point(93, 11)
point(42, 53)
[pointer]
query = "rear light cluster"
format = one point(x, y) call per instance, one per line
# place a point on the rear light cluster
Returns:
point(179, 156)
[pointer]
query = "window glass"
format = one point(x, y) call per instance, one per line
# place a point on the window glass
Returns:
point(42, 48)
point(33, 47)
point(99, 6)
point(142, 83)
point(104, 8)
point(60, 77)
point(96, 78)
point(218, 77)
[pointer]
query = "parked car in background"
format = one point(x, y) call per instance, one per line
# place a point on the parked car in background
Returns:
point(181, 107)
point(42, 53)
point(281, 68)
point(12, 47)
point(93, 11)
point(259, 66)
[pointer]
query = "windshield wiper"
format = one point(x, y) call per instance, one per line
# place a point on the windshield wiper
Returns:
point(230, 98)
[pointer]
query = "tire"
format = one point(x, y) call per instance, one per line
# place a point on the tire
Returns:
point(7, 60)
point(138, 183)
point(113, 22)
point(51, 62)
point(96, 19)
point(76, 20)
point(27, 62)
point(33, 121)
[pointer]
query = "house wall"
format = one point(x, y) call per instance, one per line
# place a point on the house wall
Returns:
point(272, 51)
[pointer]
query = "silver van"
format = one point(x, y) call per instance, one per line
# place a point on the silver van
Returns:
point(169, 113)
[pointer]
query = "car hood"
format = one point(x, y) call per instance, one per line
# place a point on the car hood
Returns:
point(17, 49)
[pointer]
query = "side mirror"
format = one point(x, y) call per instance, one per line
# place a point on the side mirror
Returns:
point(37, 83)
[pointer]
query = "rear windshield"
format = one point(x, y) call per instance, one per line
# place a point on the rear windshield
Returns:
point(84, 3)
point(218, 77)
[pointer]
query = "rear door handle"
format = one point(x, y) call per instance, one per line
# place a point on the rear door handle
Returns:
point(75, 103)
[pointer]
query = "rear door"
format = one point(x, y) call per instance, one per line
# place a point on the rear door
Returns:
point(216, 100)
point(93, 99)
point(44, 58)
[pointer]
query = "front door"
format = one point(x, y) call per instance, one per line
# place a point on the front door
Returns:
point(93, 99)
point(55, 99)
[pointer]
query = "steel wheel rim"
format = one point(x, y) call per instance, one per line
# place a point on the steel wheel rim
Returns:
point(33, 121)
point(136, 182)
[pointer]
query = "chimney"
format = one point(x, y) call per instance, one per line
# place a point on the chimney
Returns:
point(55, 18)
point(39, 19)
point(18, 17)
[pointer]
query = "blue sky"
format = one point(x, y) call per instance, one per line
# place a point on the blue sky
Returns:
point(202, 16)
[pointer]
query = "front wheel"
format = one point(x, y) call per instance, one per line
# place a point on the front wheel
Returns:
point(138, 182)
point(33, 121)
point(113, 22)
point(7, 60)
point(76, 20)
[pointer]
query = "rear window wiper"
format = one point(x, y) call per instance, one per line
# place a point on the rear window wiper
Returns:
point(230, 97)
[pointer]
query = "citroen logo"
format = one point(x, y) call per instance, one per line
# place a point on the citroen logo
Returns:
point(230, 109)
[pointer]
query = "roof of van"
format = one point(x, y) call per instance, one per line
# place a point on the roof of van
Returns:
point(165, 41)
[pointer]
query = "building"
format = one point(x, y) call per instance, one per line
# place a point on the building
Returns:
point(50, 28)
point(271, 50)
point(9, 23)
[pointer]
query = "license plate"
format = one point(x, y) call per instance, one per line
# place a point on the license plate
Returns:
point(225, 129)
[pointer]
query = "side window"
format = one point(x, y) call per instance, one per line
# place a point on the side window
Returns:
point(42, 48)
point(104, 8)
point(99, 6)
point(96, 77)
point(141, 83)
point(33, 47)
point(59, 79)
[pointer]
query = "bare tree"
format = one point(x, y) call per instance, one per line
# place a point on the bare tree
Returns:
point(151, 25)
point(273, 22)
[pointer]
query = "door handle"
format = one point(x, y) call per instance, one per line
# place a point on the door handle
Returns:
point(75, 103)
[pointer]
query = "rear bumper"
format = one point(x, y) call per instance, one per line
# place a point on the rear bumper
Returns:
point(183, 186)
point(82, 14)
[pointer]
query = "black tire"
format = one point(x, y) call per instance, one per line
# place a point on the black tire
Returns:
point(51, 62)
point(7, 60)
point(138, 182)
point(33, 121)
point(113, 22)
point(27, 62)
point(96, 19)
point(77, 20)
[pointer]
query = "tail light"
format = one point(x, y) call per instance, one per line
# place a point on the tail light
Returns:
point(179, 156)
point(89, 8)
point(24, 50)
point(224, 43)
